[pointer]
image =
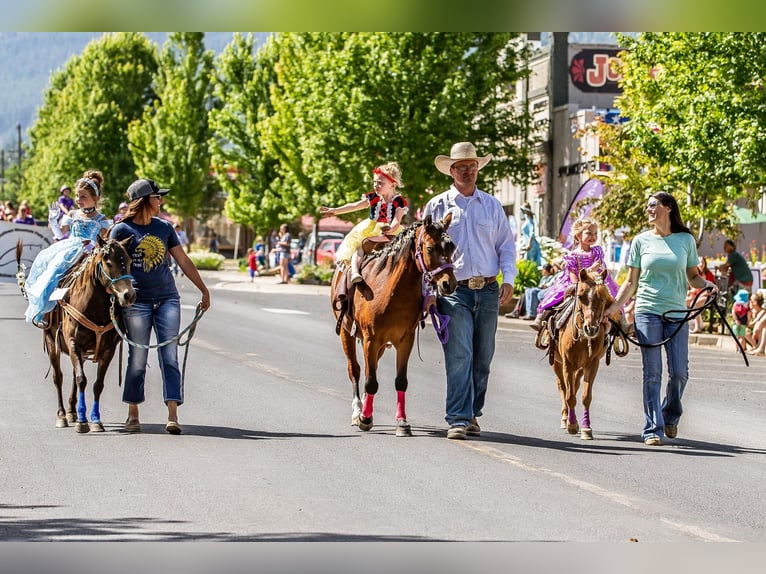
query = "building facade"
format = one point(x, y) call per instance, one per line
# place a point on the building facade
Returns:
point(570, 85)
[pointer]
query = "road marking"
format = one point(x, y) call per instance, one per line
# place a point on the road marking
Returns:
point(284, 311)
point(615, 497)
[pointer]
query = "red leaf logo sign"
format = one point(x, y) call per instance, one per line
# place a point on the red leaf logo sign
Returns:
point(577, 70)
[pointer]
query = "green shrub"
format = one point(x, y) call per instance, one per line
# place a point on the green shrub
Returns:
point(206, 260)
point(314, 275)
point(528, 275)
point(242, 264)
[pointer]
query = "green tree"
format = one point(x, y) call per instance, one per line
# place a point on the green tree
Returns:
point(169, 142)
point(83, 122)
point(697, 114)
point(250, 179)
point(320, 110)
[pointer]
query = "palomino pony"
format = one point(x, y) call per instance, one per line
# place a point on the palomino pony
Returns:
point(81, 326)
point(576, 352)
point(385, 309)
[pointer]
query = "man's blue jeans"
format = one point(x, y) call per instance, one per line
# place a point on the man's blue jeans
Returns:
point(164, 317)
point(651, 328)
point(470, 348)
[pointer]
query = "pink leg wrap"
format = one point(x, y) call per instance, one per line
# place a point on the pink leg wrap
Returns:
point(572, 416)
point(367, 406)
point(400, 414)
point(586, 419)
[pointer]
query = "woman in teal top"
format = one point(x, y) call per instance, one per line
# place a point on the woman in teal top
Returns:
point(662, 263)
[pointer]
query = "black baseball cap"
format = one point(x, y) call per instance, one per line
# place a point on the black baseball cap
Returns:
point(144, 187)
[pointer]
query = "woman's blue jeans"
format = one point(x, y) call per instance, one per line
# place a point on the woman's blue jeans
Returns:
point(470, 348)
point(164, 317)
point(652, 328)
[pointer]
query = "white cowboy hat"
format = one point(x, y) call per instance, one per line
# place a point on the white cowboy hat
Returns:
point(460, 151)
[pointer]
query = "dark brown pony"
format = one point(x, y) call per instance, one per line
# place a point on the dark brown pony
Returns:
point(387, 306)
point(81, 326)
point(576, 351)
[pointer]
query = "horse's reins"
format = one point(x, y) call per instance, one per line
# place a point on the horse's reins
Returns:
point(190, 329)
point(688, 315)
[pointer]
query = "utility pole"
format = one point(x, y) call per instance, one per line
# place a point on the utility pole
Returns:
point(18, 130)
point(2, 173)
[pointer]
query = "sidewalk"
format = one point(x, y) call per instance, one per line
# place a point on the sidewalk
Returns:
point(231, 279)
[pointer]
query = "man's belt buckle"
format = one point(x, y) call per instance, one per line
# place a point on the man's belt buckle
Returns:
point(477, 282)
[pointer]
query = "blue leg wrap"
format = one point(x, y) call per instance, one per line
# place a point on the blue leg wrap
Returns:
point(82, 410)
point(95, 414)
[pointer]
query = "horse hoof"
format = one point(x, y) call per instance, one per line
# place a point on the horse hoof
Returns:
point(586, 434)
point(573, 429)
point(403, 428)
point(563, 423)
point(355, 421)
point(365, 423)
point(81, 427)
point(61, 423)
point(96, 427)
point(71, 417)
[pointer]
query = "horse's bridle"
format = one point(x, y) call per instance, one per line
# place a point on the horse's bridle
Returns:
point(429, 284)
point(428, 274)
point(109, 280)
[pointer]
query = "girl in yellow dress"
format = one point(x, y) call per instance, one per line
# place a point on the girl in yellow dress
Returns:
point(387, 208)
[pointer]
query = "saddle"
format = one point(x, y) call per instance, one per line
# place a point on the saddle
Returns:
point(344, 294)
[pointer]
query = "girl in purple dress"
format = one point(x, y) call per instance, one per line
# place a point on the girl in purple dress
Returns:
point(585, 255)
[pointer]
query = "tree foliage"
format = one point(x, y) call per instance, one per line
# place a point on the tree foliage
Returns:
point(83, 122)
point(169, 143)
point(313, 113)
point(697, 119)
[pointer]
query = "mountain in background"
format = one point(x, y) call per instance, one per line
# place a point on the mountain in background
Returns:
point(27, 61)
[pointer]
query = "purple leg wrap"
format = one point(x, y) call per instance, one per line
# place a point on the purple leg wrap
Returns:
point(586, 419)
point(572, 419)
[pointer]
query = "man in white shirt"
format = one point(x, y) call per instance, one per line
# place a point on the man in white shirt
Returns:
point(484, 245)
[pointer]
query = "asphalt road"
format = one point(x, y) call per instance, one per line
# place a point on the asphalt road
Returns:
point(268, 453)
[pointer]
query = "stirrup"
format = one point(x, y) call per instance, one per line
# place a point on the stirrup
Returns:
point(40, 323)
point(356, 278)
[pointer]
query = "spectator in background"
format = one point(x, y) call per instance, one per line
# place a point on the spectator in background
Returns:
point(65, 201)
point(252, 263)
point(121, 211)
point(213, 245)
point(260, 251)
point(182, 237)
point(737, 267)
point(530, 246)
point(740, 313)
point(9, 212)
point(756, 326)
point(24, 216)
point(532, 295)
point(283, 249)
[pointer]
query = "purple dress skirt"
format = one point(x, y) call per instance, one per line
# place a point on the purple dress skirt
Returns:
point(573, 262)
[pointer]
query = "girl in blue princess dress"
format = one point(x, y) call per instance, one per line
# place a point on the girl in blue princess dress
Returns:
point(51, 264)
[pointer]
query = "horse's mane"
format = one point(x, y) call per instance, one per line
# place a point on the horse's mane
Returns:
point(402, 244)
point(82, 272)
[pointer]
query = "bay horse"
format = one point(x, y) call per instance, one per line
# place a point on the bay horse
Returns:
point(384, 310)
point(81, 326)
point(575, 352)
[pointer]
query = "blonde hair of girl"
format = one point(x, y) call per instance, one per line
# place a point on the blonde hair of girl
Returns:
point(391, 169)
point(581, 225)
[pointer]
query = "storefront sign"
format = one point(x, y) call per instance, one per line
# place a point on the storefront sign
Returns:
point(595, 70)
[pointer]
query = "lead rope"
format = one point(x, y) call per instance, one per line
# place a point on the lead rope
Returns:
point(688, 315)
point(190, 329)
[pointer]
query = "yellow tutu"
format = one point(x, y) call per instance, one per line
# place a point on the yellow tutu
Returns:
point(352, 241)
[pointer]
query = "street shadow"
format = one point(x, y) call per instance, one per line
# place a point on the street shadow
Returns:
point(14, 528)
point(612, 444)
point(218, 432)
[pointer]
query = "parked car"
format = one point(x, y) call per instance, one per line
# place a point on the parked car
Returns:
point(327, 249)
point(308, 251)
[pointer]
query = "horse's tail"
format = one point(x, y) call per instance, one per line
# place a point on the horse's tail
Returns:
point(21, 269)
